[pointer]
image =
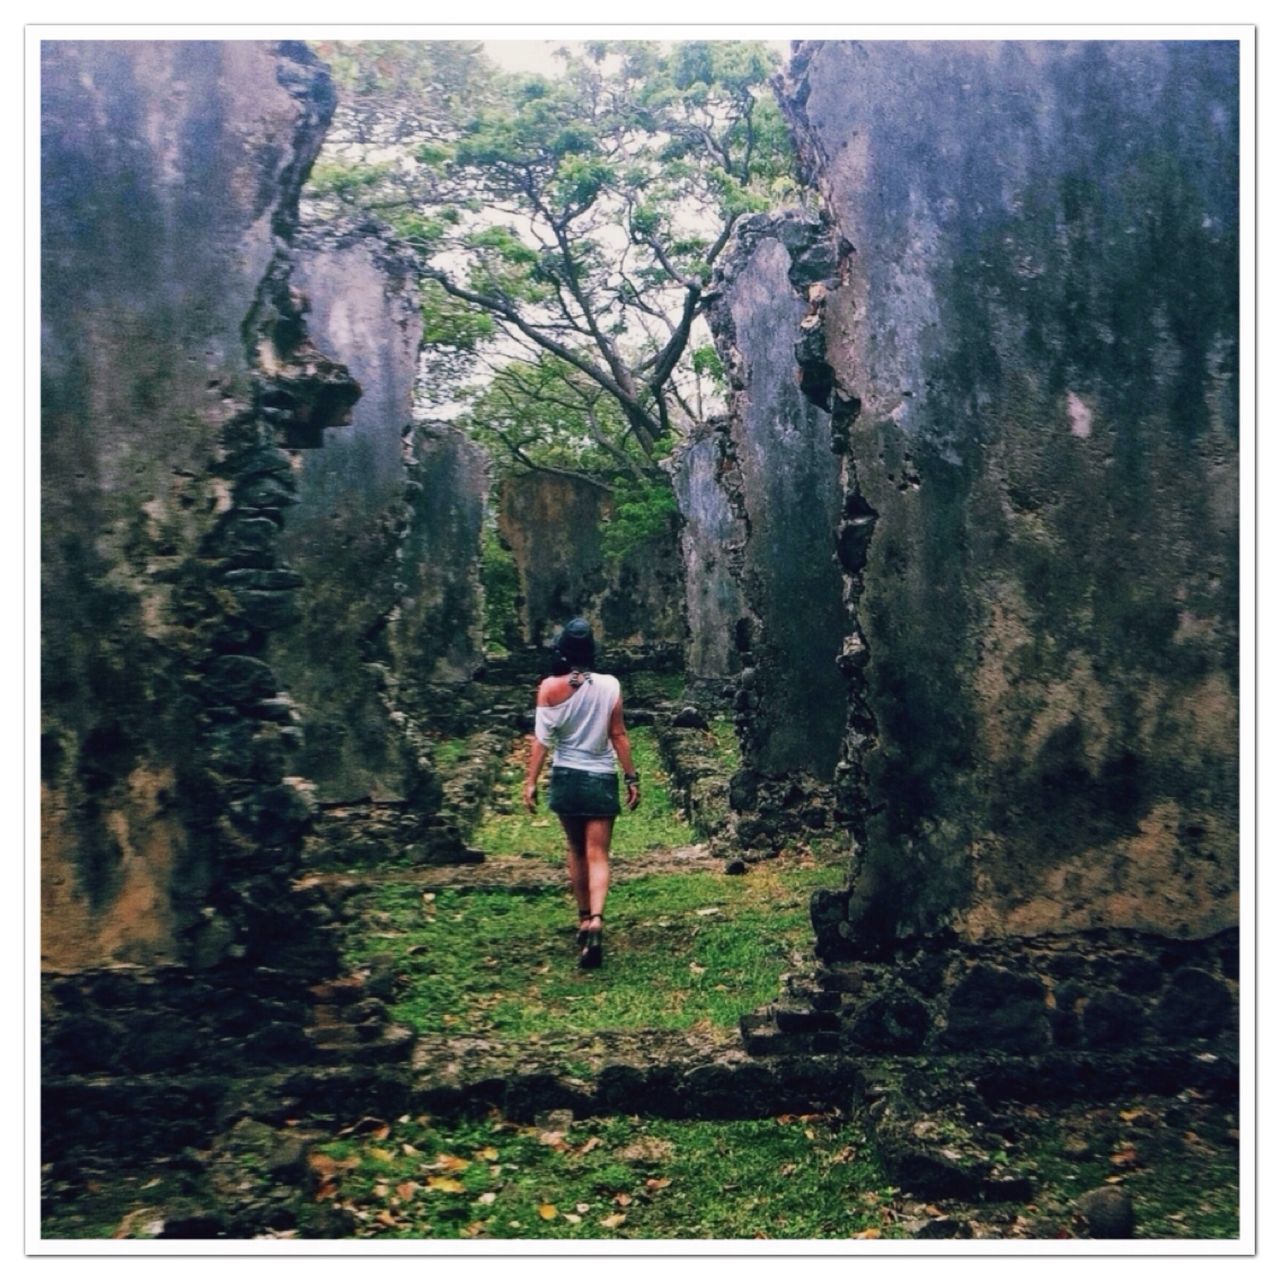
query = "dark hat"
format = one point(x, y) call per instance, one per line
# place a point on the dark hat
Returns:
point(576, 644)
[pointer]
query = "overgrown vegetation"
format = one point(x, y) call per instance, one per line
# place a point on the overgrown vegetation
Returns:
point(565, 227)
point(500, 581)
point(684, 949)
point(792, 1177)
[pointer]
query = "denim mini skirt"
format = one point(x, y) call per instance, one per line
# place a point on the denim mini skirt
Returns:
point(575, 793)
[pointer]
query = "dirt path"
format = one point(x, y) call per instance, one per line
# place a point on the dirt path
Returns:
point(532, 872)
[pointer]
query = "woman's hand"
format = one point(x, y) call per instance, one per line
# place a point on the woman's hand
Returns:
point(633, 795)
point(531, 795)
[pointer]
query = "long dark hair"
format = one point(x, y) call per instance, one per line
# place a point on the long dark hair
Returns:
point(575, 647)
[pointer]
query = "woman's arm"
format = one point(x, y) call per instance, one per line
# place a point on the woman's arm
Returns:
point(622, 745)
point(537, 755)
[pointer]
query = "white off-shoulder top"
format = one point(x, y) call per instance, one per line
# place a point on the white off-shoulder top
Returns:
point(577, 729)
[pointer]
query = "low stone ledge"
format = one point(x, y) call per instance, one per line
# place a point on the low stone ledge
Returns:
point(676, 1075)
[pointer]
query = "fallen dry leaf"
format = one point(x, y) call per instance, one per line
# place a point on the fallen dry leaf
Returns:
point(387, 1218)
point(613, 1220)
point(382, 1154)
point(590, 1145)
point(450, 1163)
point(786, 1170)
point(145, 1222)
point(696, 969)
point(933, 1211)
point(488, 1153)
point(473, 1229)
point(406, 1190)
point(622, 1199)
point(707, 911)
point(871, 1233)
point(552, 1138)
point(656, 1184)
point(409, 1149)
point(648, 1150)
point(575, 1218)
point(548, 1211)
point(1125, 1158)
point(452, 1185)
point(582, 1208)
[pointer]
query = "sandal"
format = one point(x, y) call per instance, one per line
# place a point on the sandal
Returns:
point(583, 917)
point(592, 954)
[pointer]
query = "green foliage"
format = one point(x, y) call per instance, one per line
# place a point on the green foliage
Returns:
point(447, 322)
point(571, 223)
point(542, 413)
point(500, 580)
point(643, 512)
point(707, 362)
point(344, 178)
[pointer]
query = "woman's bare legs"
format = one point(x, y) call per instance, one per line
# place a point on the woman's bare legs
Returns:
point(599, 836)
point(575, 834)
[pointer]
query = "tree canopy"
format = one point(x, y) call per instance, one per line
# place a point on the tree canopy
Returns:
point(566, 226)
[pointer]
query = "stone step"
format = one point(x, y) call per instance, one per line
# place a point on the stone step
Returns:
point(676, 1074)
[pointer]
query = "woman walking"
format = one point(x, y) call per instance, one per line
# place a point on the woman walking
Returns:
point(578, 718)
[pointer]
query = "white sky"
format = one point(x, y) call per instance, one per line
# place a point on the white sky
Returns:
point(537, 57)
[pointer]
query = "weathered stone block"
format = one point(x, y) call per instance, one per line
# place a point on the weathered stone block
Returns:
point(994, 1008)
point(1112, 1020)
point(1195, 1004)
point(891, 1023)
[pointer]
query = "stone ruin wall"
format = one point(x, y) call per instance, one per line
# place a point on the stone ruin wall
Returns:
point(182, 398)
point(768, 533)
point(553, 526)
point(385, 536)
point(1029, 361)
point(994, 460)
point(175, 362)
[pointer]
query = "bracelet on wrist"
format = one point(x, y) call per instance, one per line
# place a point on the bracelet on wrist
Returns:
point(631, 779)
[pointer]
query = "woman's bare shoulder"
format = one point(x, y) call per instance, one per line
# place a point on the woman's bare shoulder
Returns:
point(552, 691)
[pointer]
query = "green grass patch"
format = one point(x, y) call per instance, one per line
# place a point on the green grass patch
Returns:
point(726, 743)
point(450, 752)
point(509, 830)
point(1178, 1159)
point(795, 1177)
point(680, 950)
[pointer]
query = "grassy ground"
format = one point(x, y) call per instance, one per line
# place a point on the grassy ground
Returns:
point(726, 740)
point(684, 949)
point(792, 1177)
point(680, 948)
point(509, 829)
point(1177, 1157)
